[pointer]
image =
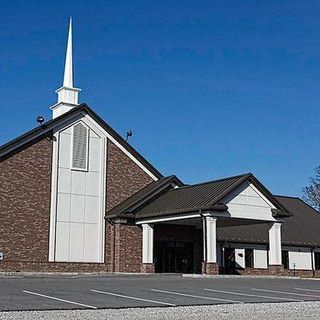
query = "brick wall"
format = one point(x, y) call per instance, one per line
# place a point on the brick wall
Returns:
point(124, 177)
point(25, 183)
point(280, 271)
point(25, 192)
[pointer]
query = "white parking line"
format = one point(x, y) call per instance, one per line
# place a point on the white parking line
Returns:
point(286, 292)
point(196, 296)
point(252, 295)
point(58, 299)
point(313, 290)
point(133, 298)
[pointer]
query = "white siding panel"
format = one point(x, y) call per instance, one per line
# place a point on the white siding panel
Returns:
point(92, 210)
point(62, 241)
point(300, 260)
point(65, 152)
point(64, 180)
point(94, 155)
point(92, 184)
point(248, 203)
point(260, 258)
point(78, 182)
point(76, 242)
point(79, 216)
point(77, 208)
point(91, 236)
point(63, 206)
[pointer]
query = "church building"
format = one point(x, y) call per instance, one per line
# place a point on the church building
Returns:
point(76, 197)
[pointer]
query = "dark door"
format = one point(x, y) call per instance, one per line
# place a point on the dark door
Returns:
point(174, 257)
point(229, 261)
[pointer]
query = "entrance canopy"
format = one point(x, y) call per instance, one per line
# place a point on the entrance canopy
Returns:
point(239, 197)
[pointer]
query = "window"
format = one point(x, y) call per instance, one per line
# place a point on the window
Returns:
point(285, 259)
point(317, 260)
point(80, 147)
point(249, 258)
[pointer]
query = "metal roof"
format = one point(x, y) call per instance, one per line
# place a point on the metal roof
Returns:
point(203, 196)
point(148, 192)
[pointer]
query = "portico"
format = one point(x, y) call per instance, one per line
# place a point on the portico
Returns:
point(247, 203)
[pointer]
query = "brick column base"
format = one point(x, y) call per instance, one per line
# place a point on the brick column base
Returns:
point(210, 268)
point(147, 268)
point(276, 270)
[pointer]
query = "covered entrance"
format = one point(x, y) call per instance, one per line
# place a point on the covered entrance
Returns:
point(178, 247)
point(174, 256)
point(179, 228)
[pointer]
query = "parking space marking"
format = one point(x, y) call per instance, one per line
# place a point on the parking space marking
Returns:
point(196, 296)
point(58, 299)
point(251, 295)
point(286, 292)
point(313, 290)
point(133, 298)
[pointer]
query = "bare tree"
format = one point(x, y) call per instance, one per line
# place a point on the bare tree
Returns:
point(312, 191)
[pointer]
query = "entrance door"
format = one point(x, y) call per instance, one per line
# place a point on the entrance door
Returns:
point(229, 261)
point(174, 257)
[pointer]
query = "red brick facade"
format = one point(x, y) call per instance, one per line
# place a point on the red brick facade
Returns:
point(280, 271)
point(210, 268)
point(25, 191)
point(124, 177)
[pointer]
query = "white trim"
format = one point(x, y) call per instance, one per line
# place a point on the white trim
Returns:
point(147, 243)
point(54, 189)
point(210, 239)
point(176, 217)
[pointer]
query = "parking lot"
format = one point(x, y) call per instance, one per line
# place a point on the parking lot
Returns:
point(128, 291)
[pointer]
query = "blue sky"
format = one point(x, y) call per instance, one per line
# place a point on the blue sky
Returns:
point(209, 88)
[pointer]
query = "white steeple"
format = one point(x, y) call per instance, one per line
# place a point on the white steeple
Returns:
point(67, 94)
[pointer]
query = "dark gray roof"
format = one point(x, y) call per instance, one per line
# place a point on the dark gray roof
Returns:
point(153, 188)
point(204, 196)
point(302, 228)
point(56, 121)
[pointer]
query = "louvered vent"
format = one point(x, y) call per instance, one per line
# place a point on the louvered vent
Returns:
point(80, 147)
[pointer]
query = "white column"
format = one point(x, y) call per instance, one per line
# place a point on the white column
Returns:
point(275, 257)
point(210, 239)
point(147, 243)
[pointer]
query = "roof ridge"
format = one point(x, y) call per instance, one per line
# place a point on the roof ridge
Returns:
point(213, 181)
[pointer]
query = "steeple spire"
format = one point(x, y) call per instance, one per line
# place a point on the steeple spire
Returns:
point(68, 67)
point(67, 94)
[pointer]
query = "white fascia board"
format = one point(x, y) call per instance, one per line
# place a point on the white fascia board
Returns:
point(172, 218)
point(122, 148)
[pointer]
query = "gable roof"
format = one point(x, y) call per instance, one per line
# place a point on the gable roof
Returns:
point(203, 196)
point(49, 125)
point(301, 229)
point(124, 209)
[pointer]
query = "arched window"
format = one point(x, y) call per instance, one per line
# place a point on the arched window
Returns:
point(80, 147)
